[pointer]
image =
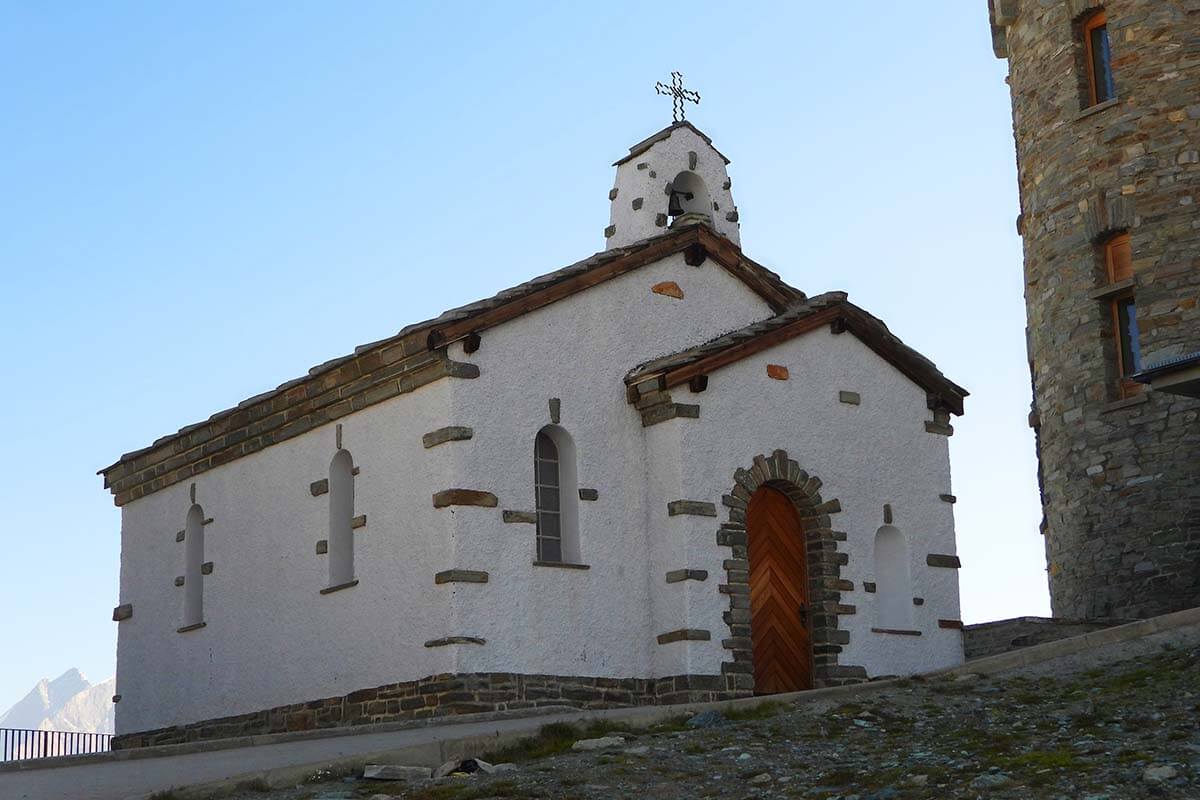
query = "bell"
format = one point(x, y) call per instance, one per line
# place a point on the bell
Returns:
point(675, 204)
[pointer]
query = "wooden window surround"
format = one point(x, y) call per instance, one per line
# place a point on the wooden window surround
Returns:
point(1098, 58)
point(1122, 312)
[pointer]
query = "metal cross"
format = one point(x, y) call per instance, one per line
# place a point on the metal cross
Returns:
point(678, 94)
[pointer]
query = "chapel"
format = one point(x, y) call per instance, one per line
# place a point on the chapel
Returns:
point(717, 485)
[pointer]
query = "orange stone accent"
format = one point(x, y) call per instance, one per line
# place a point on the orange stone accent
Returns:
point(777, 371)
point(668, 288)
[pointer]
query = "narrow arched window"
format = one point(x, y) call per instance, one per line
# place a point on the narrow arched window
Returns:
point(193, 575)
point(341, 519)
point(556, 496)
point(893, 580)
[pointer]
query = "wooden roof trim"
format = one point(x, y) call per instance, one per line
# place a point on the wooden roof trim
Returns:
point(867, 330)
point(720, 249)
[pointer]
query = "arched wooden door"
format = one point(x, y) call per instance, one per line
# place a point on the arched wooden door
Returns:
point(780, 629)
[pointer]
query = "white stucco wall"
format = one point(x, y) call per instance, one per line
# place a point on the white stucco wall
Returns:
point(663, 161)
point(866, 455)
point(271, 639)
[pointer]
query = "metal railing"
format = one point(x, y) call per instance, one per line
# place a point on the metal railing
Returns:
point(20, 743)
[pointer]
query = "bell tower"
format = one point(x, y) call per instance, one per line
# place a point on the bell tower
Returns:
point(672, 178)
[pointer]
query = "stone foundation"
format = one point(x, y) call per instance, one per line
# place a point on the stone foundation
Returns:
point(445, 695)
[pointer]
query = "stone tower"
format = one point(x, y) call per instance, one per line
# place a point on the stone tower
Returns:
point(1106, 113)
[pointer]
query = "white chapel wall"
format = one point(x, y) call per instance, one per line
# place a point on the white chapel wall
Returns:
point(867, 455)
point(270, 637)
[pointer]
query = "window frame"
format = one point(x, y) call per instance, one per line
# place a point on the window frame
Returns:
point(1093, 22)
point(539, 490)
point(1118, 267)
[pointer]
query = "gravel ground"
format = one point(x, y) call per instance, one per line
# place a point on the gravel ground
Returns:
point(1126, 730)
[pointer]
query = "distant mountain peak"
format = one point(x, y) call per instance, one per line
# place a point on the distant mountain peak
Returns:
point(68, 702)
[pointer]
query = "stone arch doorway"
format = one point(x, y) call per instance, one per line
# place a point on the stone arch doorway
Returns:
point(824, 561)
point(781, 639)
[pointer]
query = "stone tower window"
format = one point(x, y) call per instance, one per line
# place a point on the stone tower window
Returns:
point(1121, 308)
point(1098, 57)
point(557, 496)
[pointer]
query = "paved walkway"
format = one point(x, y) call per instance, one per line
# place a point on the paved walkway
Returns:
point(286, 759)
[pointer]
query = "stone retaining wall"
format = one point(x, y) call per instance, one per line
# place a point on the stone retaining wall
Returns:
point(1006, 635)
point(445, 695)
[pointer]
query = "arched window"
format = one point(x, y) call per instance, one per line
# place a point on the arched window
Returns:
point(193, 578)
point(689, 196)
point(341, 519)
point(893, 580)
point(556, 488)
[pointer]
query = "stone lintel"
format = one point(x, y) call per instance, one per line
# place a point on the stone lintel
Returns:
point(450, 433)
point(896, 631)
point(697, 508)
point(561, 565)
point(677, 575)
point(448, 640)
point(952, 624)
point(463, 497)
point(589, 494)
point(358, 522)
point(460, 576)
point(668, 411)
point(939, 429)
point(122, 612)
point(195, 626)
point(684, 635)
point(948, 498)
point(510, 517)
point(318, 488)
point(339, 587)
point(942, 560)
point(850, 398)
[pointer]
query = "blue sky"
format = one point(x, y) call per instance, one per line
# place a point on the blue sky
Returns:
point(203, 200)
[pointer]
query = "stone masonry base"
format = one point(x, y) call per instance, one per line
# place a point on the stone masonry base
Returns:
point(444, 695)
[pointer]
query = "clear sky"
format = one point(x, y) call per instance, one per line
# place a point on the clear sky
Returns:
point(202, 200)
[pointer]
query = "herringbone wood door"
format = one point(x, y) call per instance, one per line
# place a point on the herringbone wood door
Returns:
point(779, 629)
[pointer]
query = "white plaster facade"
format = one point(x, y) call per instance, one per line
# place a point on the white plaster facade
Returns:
point(271, 638)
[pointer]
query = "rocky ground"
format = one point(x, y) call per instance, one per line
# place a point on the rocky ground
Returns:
point(1129, 730)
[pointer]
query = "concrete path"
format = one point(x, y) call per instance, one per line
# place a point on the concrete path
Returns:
point(287, 759)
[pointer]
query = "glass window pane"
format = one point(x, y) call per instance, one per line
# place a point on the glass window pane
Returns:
point(549, 550)
point(547, 498)
point(547, 473)
point(1102, 64)
point(1131, 354)
point(545, 447)
point(548, 526)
